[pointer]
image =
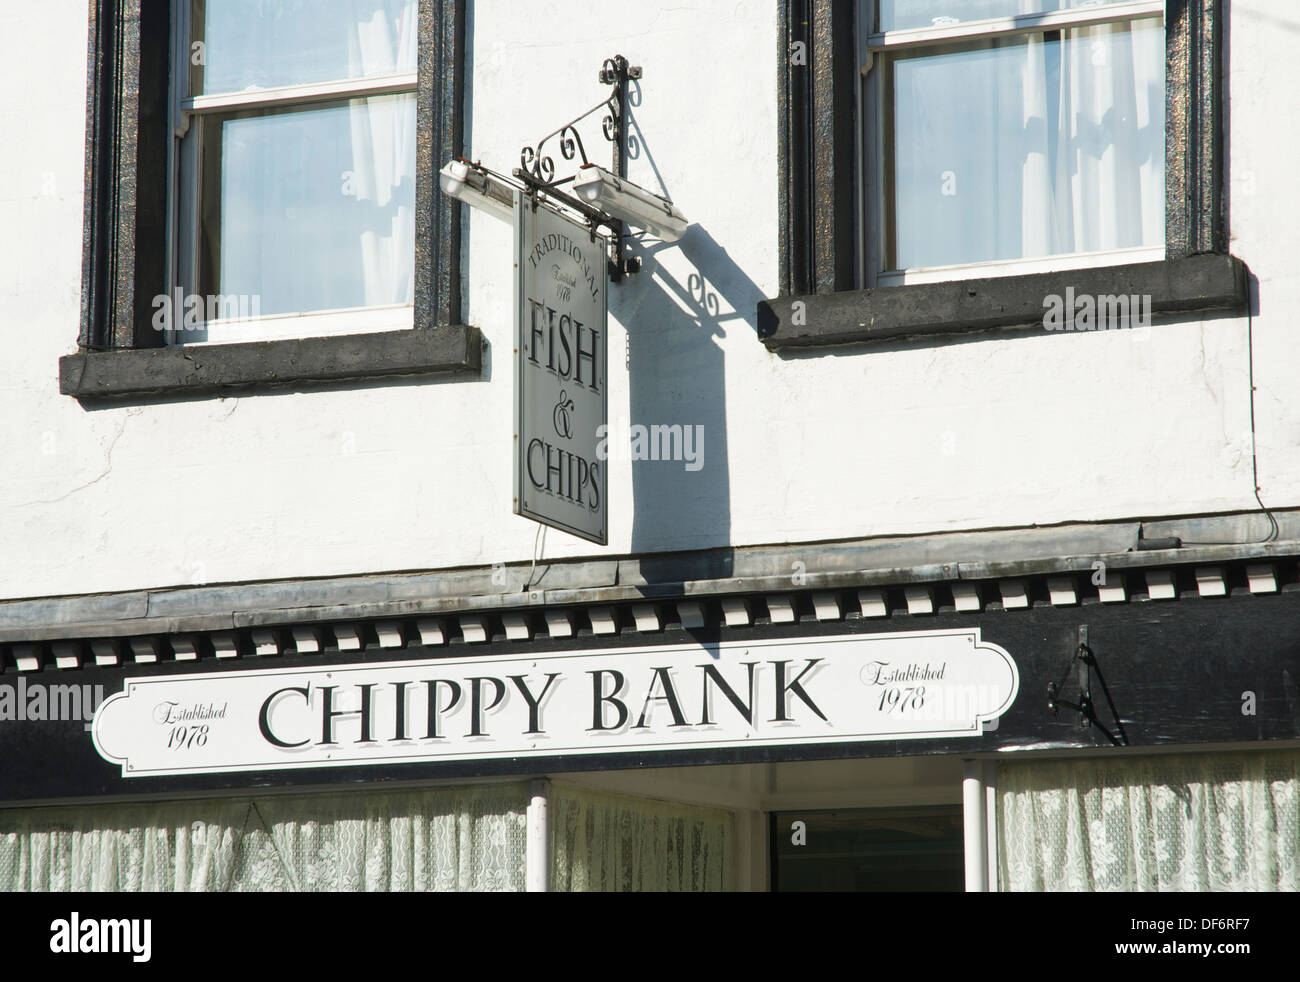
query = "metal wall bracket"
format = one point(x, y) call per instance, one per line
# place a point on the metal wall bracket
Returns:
point(537, 163)
point(1084, 662)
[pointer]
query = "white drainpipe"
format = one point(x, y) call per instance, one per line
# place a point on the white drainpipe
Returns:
point(975, 831)
point(537, 848)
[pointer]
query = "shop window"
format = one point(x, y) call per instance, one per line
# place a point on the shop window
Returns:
point(444, 839)
point(620, 843)
point(868, 849)
point(1209, 822)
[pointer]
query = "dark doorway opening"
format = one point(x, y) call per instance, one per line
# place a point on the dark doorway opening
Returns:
point(865, 849)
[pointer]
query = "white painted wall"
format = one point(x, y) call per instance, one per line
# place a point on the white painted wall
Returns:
point(416, 476)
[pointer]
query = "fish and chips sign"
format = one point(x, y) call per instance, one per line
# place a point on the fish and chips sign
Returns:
point(560, 372)
point(919, 685)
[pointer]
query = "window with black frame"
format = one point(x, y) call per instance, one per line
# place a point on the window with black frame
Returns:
point(254, 181)
point(946, 165)
point(292, 191)
point(1004, 136)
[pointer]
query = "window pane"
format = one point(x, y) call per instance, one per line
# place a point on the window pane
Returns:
point(260, 44)
point(898, 15)
point(1027, 146)
point(310, 209)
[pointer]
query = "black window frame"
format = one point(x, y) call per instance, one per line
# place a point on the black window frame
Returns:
point(120, 354)
point(820, 303)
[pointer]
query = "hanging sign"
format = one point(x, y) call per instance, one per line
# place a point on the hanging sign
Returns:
point(560, 372)
point(909, 686)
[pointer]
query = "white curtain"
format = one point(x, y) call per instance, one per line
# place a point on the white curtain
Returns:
point(1214, 822)
point(311, 207)
point(613, 843)
point(445, 839)
point(383, 145)
point(1030, 146)
point(1106, 190)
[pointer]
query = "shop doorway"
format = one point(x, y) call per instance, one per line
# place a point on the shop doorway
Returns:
point(868, 849)
point(870, 823)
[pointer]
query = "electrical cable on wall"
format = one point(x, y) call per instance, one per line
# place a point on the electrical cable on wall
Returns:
point(1274, 529)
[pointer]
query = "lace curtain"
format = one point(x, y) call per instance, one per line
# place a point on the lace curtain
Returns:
point(609, 842)
point(445, 839)
point(1105, 135)
point(1217, 822)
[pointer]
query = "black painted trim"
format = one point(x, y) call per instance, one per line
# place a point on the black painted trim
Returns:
point(125, 172)
point(1196, 283)
point(1176, 672)
point(794, 162)
point(817, 157)
point(1196, 217)
point(439, 138)
point(124, 237)
point(100, 141)
point(182, 371)
point(834, 71)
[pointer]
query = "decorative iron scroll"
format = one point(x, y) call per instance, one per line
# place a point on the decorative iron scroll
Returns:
point(539, 164)
point(537, 170)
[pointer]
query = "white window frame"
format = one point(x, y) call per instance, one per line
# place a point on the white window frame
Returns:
point(871, 190)
point(183, 197)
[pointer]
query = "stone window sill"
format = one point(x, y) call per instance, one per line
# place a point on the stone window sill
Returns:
point(199, 370)
point(939, 310)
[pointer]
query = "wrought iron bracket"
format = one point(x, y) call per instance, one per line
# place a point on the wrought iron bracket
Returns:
point(1084, 661)
point(537, 162)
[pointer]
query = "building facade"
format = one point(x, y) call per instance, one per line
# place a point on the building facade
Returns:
point(948, 476)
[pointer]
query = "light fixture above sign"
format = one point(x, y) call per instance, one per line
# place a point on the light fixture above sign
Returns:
point(475, 186)
point(601, 197)
point(629, 203)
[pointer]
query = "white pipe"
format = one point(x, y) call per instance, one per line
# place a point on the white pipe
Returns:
point(537, 848)
point(975, 838)
point(991, 820)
